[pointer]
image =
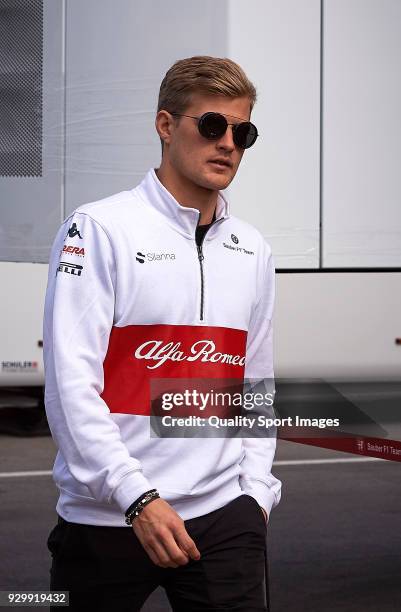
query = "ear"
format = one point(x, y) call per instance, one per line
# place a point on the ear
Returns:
point(164, 124)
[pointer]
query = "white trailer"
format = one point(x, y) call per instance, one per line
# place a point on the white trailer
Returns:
point(78, 86)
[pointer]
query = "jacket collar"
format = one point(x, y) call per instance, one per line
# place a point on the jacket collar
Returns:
point(183, 218)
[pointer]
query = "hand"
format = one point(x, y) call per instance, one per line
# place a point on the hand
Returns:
point(162, 533)
point(264, 512)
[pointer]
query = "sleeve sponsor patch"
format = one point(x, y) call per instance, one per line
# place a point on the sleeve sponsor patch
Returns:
point(68, 249)
point(70, 268)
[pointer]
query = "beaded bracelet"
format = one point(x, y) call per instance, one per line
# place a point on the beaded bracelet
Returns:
point(135, 509)
point(132, 506)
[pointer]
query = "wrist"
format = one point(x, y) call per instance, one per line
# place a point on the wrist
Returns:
point(138, 505)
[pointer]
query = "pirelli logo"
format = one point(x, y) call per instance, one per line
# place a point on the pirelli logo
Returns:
point(70, 268)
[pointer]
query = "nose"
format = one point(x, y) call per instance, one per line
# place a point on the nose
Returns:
point(226, 142)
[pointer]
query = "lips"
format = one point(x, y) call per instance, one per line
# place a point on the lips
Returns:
point(222, 163)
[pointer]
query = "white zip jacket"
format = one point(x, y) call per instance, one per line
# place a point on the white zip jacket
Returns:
point(128, 301)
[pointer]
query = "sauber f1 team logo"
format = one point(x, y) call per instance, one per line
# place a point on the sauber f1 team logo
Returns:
point(204, 350)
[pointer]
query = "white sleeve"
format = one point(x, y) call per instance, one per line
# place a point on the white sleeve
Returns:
point(78, 318)
point(256, 478)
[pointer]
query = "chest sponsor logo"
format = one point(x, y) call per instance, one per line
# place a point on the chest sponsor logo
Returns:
point(142, 257)
point(238, 249)
point(70, 268)
point(138, 354)
point(158, 353)
point(73, 250)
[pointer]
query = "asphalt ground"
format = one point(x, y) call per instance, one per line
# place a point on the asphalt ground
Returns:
point(334, 542)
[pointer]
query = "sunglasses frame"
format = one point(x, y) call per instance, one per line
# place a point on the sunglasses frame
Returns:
point(202, 118)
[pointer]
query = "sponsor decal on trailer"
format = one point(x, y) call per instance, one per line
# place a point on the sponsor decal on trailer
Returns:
point(19, 366)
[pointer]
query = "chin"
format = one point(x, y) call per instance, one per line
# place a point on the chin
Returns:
point(217, 183)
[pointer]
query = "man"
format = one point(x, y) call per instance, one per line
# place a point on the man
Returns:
point(162, 282)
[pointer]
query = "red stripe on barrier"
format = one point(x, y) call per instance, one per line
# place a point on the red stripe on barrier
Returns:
point(346, 443)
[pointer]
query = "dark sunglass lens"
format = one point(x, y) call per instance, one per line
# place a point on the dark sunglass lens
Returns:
point(212, 125)
point(245, 135)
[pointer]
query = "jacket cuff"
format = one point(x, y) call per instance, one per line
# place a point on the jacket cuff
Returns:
point(132, 486)
point(263, 495)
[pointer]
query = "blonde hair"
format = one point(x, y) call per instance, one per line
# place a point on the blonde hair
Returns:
point(206, 75)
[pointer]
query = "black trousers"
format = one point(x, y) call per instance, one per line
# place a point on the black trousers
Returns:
point(107, 568)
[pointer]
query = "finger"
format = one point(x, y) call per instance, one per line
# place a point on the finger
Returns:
point(186, 543)
point(176, 554)
point(151, 554)
point(156, 553)
point(162, 556)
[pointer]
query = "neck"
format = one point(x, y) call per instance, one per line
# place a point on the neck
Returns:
point(188, 193)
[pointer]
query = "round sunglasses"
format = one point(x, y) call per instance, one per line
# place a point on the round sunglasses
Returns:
point(214, 125)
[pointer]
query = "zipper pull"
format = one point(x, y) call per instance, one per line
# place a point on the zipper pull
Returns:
point(200, 253)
